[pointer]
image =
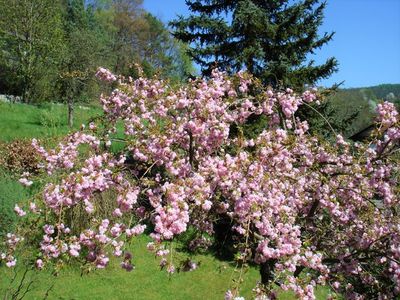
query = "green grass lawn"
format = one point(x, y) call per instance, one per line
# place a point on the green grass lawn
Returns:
point(210, 281)
point(146, 281)
point(28, 121)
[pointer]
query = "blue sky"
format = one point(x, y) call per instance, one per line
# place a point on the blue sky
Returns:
point(366, 43)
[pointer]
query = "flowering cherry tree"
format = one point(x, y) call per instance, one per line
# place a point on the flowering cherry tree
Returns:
point(306, 211)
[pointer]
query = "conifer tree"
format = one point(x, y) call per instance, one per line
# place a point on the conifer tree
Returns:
point(270, 38)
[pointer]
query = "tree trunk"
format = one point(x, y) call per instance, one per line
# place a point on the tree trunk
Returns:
point(267, 271)
point(70, 112)
point(191, 150)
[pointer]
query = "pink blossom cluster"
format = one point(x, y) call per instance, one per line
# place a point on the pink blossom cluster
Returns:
point(11, 242)
point(66, 153)
point(172, 218)
point(24, 179)
point(80, 186)
point(105, 75)
point(387, 114)
point(19, 211)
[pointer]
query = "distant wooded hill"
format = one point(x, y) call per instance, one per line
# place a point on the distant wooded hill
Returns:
point(388, 92)
point(346, 103)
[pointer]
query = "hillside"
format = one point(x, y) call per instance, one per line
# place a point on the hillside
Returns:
point(345, 102)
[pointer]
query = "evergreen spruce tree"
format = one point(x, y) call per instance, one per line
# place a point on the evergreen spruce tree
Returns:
point(269, 38)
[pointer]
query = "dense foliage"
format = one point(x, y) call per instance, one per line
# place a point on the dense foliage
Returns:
point(271, 39)
point(50, 50)
point(30, 39)
point(307, 212)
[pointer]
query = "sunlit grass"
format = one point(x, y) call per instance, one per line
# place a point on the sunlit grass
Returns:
point(146, 281)
point(47, 120)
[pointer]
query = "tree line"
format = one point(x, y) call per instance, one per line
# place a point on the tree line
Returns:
point(50, 50)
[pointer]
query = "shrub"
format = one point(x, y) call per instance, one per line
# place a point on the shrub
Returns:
point(50, 117)
point(19, 156)
point(306, 211)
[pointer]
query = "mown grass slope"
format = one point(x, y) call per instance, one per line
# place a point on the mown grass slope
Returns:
point(46, 120)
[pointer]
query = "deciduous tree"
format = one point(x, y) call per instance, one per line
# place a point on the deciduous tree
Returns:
point(31, 35)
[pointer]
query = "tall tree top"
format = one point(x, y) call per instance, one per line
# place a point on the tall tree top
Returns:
point(270, 38)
